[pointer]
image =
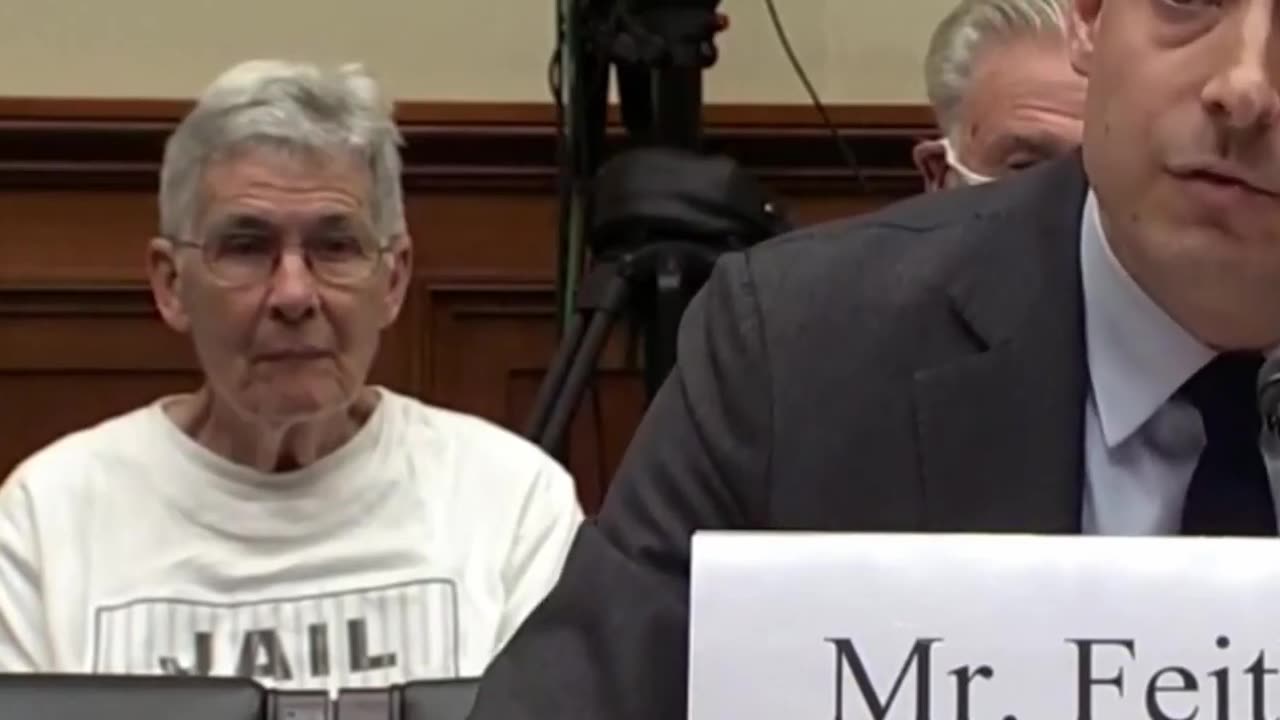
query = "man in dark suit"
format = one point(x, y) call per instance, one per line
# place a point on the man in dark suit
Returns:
point(1070, 350)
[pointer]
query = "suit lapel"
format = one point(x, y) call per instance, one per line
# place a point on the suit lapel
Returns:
point(1001, 431)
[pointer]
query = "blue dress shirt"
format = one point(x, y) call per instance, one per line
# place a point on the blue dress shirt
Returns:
point(1141, 443)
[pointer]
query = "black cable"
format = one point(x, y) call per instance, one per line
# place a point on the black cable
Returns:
point(844, 148)
point(564, 168)
point(555, 85)
point(555, 72)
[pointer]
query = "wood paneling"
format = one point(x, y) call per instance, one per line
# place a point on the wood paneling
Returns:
point(71, 358)
point(80, 341)
point(492, 351)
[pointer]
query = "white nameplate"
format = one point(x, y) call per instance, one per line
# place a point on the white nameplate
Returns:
point(983, 627)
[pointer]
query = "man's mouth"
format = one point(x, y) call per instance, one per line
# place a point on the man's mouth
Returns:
point(1226, 179)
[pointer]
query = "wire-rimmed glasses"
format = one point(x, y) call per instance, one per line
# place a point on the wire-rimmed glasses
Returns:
point(241, 257)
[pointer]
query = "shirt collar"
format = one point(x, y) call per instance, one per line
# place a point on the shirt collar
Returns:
point(1138, 356)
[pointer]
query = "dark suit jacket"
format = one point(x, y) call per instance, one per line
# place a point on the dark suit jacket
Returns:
point(918, 369)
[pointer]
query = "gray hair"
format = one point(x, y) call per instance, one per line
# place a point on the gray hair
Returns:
point(290, 106)
point(968, 30)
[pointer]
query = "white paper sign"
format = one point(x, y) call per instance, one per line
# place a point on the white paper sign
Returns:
point(983, 627)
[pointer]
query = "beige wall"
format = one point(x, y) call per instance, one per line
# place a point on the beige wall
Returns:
point(854, 50)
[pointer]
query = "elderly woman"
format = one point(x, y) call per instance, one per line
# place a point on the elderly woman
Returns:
point(286, 521)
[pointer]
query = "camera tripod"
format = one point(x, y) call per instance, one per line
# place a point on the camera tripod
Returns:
point(659, 213)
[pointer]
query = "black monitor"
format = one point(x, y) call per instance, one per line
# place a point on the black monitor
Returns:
point(438, 699)
point(106, 697)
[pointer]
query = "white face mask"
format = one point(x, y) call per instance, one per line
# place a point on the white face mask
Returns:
point(967, 176)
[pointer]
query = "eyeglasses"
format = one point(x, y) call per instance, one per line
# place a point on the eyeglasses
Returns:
point(242, 258)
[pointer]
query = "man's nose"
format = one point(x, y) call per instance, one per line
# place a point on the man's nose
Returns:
point(1243, 95)
point(293, 292)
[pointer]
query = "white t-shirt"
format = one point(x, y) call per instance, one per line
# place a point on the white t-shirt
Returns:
point(412, 552)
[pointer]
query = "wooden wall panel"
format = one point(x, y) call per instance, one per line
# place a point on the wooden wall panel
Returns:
point(69, 359)
point(490, 356)
point(483, 235)
point(57, 238)
point(42, 405)
point(80, 341)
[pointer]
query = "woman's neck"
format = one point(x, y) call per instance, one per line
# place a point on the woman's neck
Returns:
point(267, 446)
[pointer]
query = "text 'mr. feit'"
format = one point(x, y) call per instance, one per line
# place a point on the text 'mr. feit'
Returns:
point(1106, 683)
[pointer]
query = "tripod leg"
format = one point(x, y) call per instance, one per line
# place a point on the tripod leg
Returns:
point(584, 364)
point(554, 381)
point(669, 301)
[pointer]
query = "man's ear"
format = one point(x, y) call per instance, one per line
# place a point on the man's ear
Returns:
point(931, 160)
point(166, 284)
point(1082, 27)
point(400, 256)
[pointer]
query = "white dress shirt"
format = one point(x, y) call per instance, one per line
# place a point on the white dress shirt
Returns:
point(1141, 443)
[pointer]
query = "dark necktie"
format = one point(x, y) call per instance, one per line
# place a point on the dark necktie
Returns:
point(1229, 492)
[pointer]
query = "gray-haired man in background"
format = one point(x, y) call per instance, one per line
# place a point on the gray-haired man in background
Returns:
point(1002, 89)
point(285, 521)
